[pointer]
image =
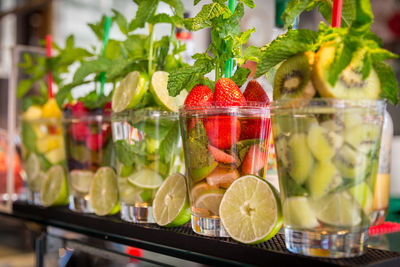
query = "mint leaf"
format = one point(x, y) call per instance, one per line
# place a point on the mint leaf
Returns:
point(28, 136)
point(285, 46)
point(98, 28)
point(253, 53)
point(389, 85)
point(145, 11)
point(240, 76)
point(177, 5)
point(165, 18)
point(366, 65)
point(169, 144)
point(93, 100)
point(249, 3)
point(65, 92)
point(206, 14)
point(196, 2)
point(89, 67)
point(293, 9)
point(23, 87)
point(363, 16)
point(125, 152)
point(343, 56)
point(121, 21)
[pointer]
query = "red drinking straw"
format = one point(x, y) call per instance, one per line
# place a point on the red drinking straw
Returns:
point(49, 75)
point(337, 13)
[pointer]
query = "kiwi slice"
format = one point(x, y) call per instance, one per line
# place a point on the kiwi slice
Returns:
point(351, 163)
point(324, 178)
point(282, 151)
point(363, 137)
point(300, 160)
point(287, 124)
point(293, 77)
point(323, 143)
point(333, 125)
point(350, 84)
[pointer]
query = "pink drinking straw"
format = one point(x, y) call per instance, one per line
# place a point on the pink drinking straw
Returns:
point(337, 13)
point(49, 75)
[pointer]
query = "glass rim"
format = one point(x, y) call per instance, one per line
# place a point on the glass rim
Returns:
point(251, 107)
point(40, 120)
point(147, 112)
point(304, 103)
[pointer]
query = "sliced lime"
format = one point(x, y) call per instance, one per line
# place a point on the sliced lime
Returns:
point(81, 180)
point(363, 195)
point(125, 170)
point(171, 203)
point(338, 209)
point(103, 192)
point(54, 190)
point(159, 84)
point(251, 210)
point(56, 155)
point(32, 169)
point(210, 200)
point(130, 91)
point(128, 192)
point(146, 178)
point(198, 189)
point(298, 213)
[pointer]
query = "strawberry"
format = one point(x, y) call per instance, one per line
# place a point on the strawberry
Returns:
point(199, 96)
point(254, 160)
point(255, 128)
point(79, 110)
point(107, 108)
point(222, 131)
point(227, 93)
point(255, 93)
point(79, 131)
point(221, 156)
point(95, 141)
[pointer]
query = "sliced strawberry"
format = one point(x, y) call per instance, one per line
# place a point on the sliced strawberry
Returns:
point(254, 160)
point(79, 110)
point(255, 128)
point(222, 131)
point(254, 92)
point(199, 96)
point(222, 177)
point(107, 108)
point(227, 93)
point(221, 156)
point(79, 131)
point(95, 141)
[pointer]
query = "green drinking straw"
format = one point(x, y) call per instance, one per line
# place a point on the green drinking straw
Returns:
point(107, 26)
point(229, 62)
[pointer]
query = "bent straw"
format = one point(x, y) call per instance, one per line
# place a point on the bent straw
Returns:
point(49, 74)
point(337, 13)
point(107, 26)
point(229, 62)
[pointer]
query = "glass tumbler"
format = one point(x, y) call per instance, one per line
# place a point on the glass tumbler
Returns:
point(221, 144)
point(327, 154)
point(148, 149)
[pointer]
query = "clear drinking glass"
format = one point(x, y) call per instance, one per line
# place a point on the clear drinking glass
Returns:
point(327, 153)
point(42, 148)
point(148, 149)
point(89, 146)
point(221, 144)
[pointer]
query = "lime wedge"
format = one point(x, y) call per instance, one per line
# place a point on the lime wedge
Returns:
point(32, 169)
point(298, 213)
point(159, 84)
point(128, 192)
point(146, 178)
point(103, 192)
point(171, 203)
point(54, 189)
point(81, 180)
point(338, 209)
point(210, 200)
point(251, 210)
point(130, 91)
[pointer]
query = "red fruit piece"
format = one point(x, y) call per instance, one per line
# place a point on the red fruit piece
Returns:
point(95, 141)
point(222, 177)
point(221, 156)
point(199, 96)
point(107, 108)
point(191, 123)
point(222, 131)
point(79, 131)
point(255, 92)
point(254, 160)
point(227, 93)
point(79, 110)
point(255, 128)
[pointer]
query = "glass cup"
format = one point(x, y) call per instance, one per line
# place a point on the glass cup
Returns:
point(221, 144)
point(148, 149)
point(42, 148)
point(89, 146)
point(327, 154)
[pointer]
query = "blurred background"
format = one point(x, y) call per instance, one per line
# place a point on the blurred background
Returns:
point(26, 22)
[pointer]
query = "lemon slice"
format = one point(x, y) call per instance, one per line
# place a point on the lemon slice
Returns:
point(159, 84)
point(49, 142)
point(210, 200)
point(54, 189)
point(250, 210)
point(103, 193)
point(146, 178)
point(338, 209)
point(171, 203)
point(32, 113)
point(81, 180)
point(198, 189)
point(50, 109)
point(130, 91)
